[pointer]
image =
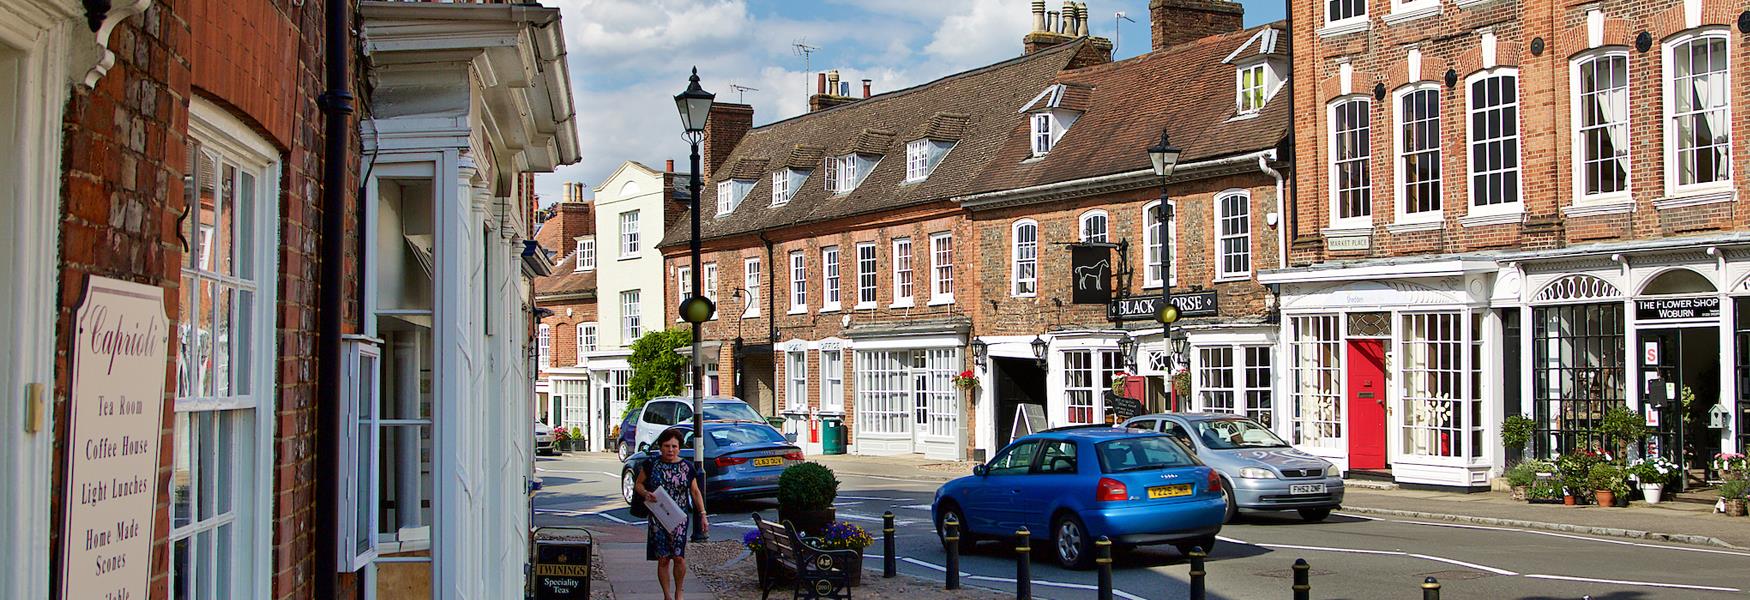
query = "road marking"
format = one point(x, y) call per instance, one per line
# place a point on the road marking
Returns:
point(1041, 582)
point(1574, 537)
point(874, 498)
point(922, 507)
point(1327, 549)
point(846, 503)
point(1641, 583)
point(1233, 541)
point(1465, 564)
point(1363, 517)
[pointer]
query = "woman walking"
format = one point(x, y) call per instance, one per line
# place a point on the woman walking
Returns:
point(681, 480)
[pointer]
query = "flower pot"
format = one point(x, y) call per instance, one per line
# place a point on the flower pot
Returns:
point(1569, 500)
point(808, 522)
point(1653, 492)
point(1735, 507)
point(1519, 492)
point(1605, 497)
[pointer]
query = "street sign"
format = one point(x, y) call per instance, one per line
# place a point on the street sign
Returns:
point(1091, 270)
point(1193, 304)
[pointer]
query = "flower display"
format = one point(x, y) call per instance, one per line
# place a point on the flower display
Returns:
point(844, 535)
point(1653, 469)
point(966, 380)
point(751, 539)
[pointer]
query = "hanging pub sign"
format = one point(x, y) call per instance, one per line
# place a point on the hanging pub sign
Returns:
point(115, 415)
point(1091, 267)
point(1669, 309)
point(1194, 304)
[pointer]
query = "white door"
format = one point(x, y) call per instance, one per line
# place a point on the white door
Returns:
point(920, 399)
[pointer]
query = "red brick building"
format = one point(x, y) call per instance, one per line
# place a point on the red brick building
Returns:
point(571, 329)
point(1514, 208)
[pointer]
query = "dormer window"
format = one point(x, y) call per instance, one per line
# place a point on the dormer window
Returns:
point(785, 182)
point(730, 194)
point(1042, 138)
point(1251, 91)
point(843, 173)
point(922, 156)
point(1255, 83)
point(586, 253)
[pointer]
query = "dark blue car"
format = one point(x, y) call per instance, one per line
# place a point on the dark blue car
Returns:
point(628, 433)
point(1070, 486)
point(742, 460)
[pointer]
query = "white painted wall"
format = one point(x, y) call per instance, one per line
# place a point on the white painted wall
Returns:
point(632, 187)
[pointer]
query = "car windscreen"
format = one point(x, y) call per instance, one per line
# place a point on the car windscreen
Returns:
point(1141, 454)
point(748, 434)
point(731, 411)
point(1229, 434)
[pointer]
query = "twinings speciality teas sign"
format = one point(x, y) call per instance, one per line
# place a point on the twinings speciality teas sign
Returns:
point(120, 351)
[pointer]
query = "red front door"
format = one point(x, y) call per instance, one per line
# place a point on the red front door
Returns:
point(1366, 404)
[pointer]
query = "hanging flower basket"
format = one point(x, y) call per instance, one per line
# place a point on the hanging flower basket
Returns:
point(966, 380)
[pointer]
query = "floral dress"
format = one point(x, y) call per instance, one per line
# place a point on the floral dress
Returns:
point(676, 477)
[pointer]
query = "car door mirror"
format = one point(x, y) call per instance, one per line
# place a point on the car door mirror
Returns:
point(980, 470)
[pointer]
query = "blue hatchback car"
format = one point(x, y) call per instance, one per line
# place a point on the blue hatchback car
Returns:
point(1073, 485)
point(742, 460)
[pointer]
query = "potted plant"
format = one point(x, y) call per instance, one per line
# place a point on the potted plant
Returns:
point(1606, 481)
point(561, 440)
point(577, 442)
point(1732, 495)
point(966, 380)
point(1182, 384)
point(1516, 432)
point(805, 495)
point(1547, 490)
point(1575, 470)
point(1652, 473)
point(1732, 466)
point(1523, 475)
point(844, 535)
point(1622, 427)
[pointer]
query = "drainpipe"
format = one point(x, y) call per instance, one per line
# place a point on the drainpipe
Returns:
point(771, 293)
point(336, 104)
point(1281, 232)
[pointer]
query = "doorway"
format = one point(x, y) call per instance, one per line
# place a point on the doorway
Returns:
point(1680, 383)
point(1018, 381)
point(1366, 404)
point(758, 381)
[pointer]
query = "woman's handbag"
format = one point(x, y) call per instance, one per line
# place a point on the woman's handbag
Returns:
point(639, 510)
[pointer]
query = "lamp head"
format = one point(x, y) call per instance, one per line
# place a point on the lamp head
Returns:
point(1164, 156)
point(694, 105)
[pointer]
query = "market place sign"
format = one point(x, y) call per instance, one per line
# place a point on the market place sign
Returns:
point(1194, 304)
point(115, 416)
point(1671, 309)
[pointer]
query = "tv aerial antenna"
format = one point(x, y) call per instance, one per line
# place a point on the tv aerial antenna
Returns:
point(1117, 34)
point(806, 51)
point(741, 92)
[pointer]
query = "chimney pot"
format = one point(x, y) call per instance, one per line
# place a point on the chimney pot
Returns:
point(1069, 18)
point(1038, 15)
point(832, 82)
point(668, 167)
point(1081, 19)
point(866, 83)
point(820, 83)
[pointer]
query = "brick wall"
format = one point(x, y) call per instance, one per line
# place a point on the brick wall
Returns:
point(1174, 22)
point(563, 327)
point(1452, 41)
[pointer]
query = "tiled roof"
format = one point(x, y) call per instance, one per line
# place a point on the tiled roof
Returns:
point(1185, 88)
point(987, 98)
point(943, 127)
point(566, 280)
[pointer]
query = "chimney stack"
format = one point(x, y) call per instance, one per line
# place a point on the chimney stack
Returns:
point(728, 123)
point(866, 83)
point(832, 92)
point(1174, 22)
point(1051, 28)
point(1070, 14)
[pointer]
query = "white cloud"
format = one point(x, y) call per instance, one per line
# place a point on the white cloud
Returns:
point(986, 31)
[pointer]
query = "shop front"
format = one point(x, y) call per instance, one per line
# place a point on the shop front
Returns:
point(904, 396)
point(1387, 369)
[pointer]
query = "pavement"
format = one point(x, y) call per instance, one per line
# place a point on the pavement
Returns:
point(1382, 544)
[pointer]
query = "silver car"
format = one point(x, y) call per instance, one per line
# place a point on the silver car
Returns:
point(1259, 470)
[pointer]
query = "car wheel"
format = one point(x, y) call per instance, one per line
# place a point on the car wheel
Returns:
point(625, 452)
point(967, 539)
point(627, 484)
point(1314, 515)
point(1233, 503)
point(1069, 540)
point(1207, 543)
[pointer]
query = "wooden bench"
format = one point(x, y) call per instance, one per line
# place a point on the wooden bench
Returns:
point(818, 572)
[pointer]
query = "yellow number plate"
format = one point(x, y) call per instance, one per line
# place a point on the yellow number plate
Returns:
point(1169, 491)
point(770, 461)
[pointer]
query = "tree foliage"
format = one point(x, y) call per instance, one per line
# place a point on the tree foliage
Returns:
point(657, 370)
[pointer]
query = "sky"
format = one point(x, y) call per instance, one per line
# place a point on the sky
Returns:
point(628, 59)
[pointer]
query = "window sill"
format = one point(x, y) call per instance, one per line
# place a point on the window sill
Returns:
point(1470, 3)
point(941, 301)
point(1346, 27)
point(798, 311)
point(1514, 217)
point(751, 315)
point(1415, 226)
point(1696, 199)
point(905, 304)
point(632, 257)
point(1245, 116)
point(829, 309)
point(1233, 277)
point(1347, 230)
point(1590, 209)
point(1402, 16)
point(864, 306)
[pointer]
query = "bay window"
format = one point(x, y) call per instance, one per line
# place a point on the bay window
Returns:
point(1235, 380)
point(1316, 377)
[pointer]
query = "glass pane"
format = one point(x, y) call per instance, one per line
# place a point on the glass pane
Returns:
point(187, 360)
point(206, 427)
point(223, 318)
point(222, 567)
point(207, 557)
point(243, 332)
point(226, 454)
point(367, 446)
point(245, 226)
point(224, 240)
point(204, 339)
point(182, 471)
point(181, 570)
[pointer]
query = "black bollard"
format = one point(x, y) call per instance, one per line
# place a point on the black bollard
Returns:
point(1430, 589)
point(1103, 558)
point(1302, 588)
point(1196, 557)
point(1023, 565)
point(889, 562)
point(952, 540)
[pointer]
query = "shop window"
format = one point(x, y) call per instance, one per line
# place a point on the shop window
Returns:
point(1085, 381)
point(796, 371)
point(1434, 390)
point(882, 401)
point(1234, 380)
point(1578, 353)
point(941, 400)
point(1742, 356)
point(1316, 367)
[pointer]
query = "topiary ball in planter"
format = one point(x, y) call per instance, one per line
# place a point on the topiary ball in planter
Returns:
point(805, 495)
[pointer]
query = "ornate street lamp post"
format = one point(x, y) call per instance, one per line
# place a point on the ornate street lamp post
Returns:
point(694, 105)
point(1163, 157)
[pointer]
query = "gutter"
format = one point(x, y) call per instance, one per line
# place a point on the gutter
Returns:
point(336, 104)
point(1139, 178)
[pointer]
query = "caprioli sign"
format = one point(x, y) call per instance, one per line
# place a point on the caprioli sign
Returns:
point(1666, 309)
point(1193, 304)
point(115, 415)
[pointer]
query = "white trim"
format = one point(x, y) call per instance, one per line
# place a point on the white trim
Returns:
point(1399, 198)
point(1577, 166)
point(832, 287)
point(1667, 94)
point(1517, 205)
point(1015, 259)
point(1222, 274)
point(871, 270)
point(1087, 217)
point(1493, 218)
point(1589, 209)
point(1696, 199)
point(1415, 226)
point(911, 272)
point(938, 297)
point(798, 282)
point(1331, 189)
point(1403, 12)
point(1151, 277)
point(1381, 270)
point(1345, 27)
point(750, 268)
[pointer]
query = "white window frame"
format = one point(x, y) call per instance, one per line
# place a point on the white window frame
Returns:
point(1024, 259)
point(1239, 378)
point(830, 283)
point(941, 268)
point(780, 187)
point(1401, 154)
point(1221, 219)
point(1086, 224)
point(1338, 221)
point(796, 380)
point(586, 254)
point(750, 282)
point(361, 391)
point(1041, 133)
point(251, 449)
point(708, 280)
point(904, 284)
point(1473, 145)
point(1244, 95)
point(842, 174)
point(1355, 19)
point(631, 316)
point(1151, 220)
point(1413, 8)
point(1673, 185)
point(868, 281)
point(629, 237)
point(1087, 374)
point(586, 339)
point(544, 347)
point(917, 160)
point(832, 381)
point(730, 193)
point(1316, 363)
point(683, 279)
point(798, 282)
point(1623, 122)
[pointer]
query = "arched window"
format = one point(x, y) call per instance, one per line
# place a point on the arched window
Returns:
point(1025, 258)
point(1093, 226)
